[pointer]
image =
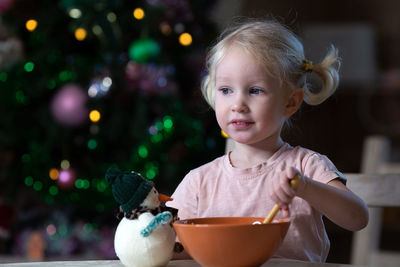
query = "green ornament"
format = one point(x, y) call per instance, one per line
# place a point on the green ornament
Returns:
point(143, 50)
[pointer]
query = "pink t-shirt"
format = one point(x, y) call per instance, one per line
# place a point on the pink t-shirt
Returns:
point(217, 189)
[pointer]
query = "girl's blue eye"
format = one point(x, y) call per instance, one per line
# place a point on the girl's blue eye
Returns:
point(225, 90)
point(256, 91)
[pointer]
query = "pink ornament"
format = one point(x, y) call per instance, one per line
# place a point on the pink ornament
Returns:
point(5, 5)
point(68, 106)
point(66, 179)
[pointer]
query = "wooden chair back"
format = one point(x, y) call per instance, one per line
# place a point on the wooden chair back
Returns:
point(378, 185)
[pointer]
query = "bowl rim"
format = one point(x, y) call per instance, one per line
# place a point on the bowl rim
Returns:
point(183, 223)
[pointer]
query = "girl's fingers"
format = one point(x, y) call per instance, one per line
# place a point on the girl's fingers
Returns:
point(293, 172)
point(286, 188)
point(281, 192)
point(285, 211)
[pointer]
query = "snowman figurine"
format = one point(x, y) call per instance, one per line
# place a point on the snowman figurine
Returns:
point(144, 236)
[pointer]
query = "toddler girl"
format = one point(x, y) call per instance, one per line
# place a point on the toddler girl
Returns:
point(256, 81)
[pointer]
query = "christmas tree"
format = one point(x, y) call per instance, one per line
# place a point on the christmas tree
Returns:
point(92, 84)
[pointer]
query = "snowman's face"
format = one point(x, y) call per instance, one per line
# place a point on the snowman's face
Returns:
point(151, 201)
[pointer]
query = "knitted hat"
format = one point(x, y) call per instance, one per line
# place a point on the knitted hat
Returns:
point(128, 188)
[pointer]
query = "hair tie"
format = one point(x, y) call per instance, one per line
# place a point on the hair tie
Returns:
point(307, 65)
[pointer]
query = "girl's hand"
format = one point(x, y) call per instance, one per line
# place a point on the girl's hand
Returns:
point(280, 191)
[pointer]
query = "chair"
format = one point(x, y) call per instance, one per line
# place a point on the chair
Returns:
point(378, 185)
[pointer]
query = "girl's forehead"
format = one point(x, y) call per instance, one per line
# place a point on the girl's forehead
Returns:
point(244, 51)
point(234, 53)
point(238, 56)
point(262, 58)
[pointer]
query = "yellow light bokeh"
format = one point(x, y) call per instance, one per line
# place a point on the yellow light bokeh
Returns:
point(224, 134)
point(31, 25)
point(94, 115)
point(80, 34)
point(138, 13)
point(53, 173)
point(185, 39)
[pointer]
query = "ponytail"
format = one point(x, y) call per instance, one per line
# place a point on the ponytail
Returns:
point(328, 72)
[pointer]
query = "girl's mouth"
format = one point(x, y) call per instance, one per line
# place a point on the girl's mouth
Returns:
point(241, 124)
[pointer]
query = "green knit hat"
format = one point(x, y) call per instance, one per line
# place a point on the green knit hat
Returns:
point(128, 188)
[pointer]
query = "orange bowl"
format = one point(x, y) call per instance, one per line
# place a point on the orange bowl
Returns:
point(230, 241)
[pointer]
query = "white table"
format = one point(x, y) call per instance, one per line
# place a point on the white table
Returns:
point(176, 263)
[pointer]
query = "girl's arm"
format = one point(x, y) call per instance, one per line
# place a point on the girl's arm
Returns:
point(334, 199)
point(336, 202)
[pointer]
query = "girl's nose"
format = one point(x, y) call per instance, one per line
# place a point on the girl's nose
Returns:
point(240, 105)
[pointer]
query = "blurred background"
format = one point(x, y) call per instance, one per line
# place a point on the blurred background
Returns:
point(86, 85)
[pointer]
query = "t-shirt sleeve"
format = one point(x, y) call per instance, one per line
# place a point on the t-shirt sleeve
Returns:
point(185, 197)
point(318, 167)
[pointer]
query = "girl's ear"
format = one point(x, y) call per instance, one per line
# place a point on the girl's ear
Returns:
point(294, 102)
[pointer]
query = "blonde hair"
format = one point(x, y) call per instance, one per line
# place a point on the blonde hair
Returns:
point(282, 55)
